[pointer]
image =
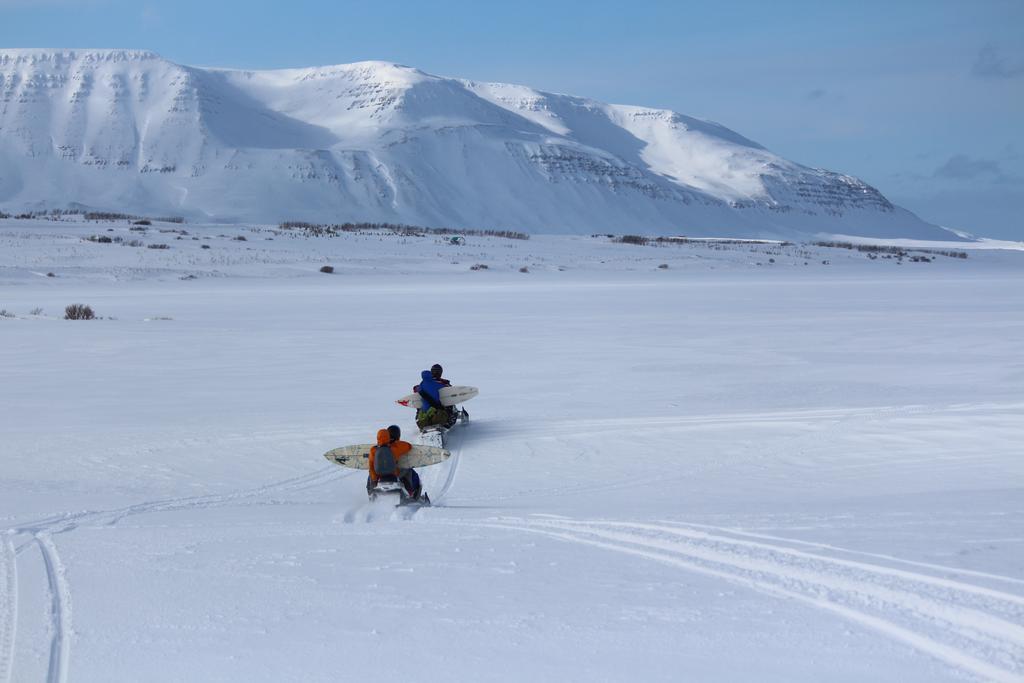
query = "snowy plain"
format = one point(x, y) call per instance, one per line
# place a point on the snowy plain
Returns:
point(761, 462)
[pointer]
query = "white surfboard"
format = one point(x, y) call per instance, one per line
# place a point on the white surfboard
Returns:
point(358, 456)
point(449, 397)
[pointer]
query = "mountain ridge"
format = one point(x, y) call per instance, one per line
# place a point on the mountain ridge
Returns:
point(379, 141)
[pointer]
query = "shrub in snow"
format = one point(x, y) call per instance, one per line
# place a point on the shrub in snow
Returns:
point(204, 246)
point(4, 313)
point(327, 269)
point(158, 246)
point(524, 269)
point(142, 222)
point(36, 311)
point(78, 312)
point(240, 238)
point(50, 274)
point(478, 266)
point(663, 266)
point(102, 239)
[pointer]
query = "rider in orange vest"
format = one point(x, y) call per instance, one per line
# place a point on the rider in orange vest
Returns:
point(390, 468)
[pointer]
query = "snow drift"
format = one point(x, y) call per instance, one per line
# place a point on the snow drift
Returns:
point(373, 141)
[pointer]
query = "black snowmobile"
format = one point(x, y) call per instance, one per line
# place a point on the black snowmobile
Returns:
point(435, 435)
point(388, 487)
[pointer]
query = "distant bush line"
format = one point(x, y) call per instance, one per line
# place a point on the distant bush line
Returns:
point(641, 240)
point(872, 250)
point(117, 239)
point(94, 216)
point(323, 230)
point(895, 251)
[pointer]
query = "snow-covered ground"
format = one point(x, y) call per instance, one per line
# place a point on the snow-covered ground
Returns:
point(748, 465)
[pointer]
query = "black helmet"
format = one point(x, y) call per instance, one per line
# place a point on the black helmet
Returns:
point(436, 371)
point(395, 432)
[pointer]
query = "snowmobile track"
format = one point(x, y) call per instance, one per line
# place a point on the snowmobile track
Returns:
point(60, 610)
point(965, 626)
point(888, 572)
point(8, 608)
point(66, 522)
point(837, 549)
point(832, 417)
point(58, 588)
point(453, 467)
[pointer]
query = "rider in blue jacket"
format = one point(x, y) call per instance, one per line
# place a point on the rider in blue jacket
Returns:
point(432, 413)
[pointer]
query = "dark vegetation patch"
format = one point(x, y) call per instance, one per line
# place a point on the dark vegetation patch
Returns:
point(644, 241)
point(324, 230)
point(96, 216)
point(79, 312)
point(899, 252)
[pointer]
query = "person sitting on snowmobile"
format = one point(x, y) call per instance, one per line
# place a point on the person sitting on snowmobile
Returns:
point(432, 413)
point(386, 463)
point(436, 372)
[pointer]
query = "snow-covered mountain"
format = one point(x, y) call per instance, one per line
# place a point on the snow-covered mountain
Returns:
point(129, 131)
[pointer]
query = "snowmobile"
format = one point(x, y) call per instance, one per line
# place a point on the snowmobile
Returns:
point(391, 488)
point(435, 435)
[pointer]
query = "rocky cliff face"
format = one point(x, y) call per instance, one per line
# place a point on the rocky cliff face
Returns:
point(373, 141)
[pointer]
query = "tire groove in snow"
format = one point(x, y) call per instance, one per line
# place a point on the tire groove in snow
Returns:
point(69, 521)
point(59, 590)
point(834, 548)
point(302, 483)
point(558, 427)
point(889, 572)
point(984, 643)
point(453, 466)
point(8, 607)
point(803, 569)
point(60, 610)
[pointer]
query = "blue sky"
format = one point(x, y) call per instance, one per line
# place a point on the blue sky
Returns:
point(924, 100)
